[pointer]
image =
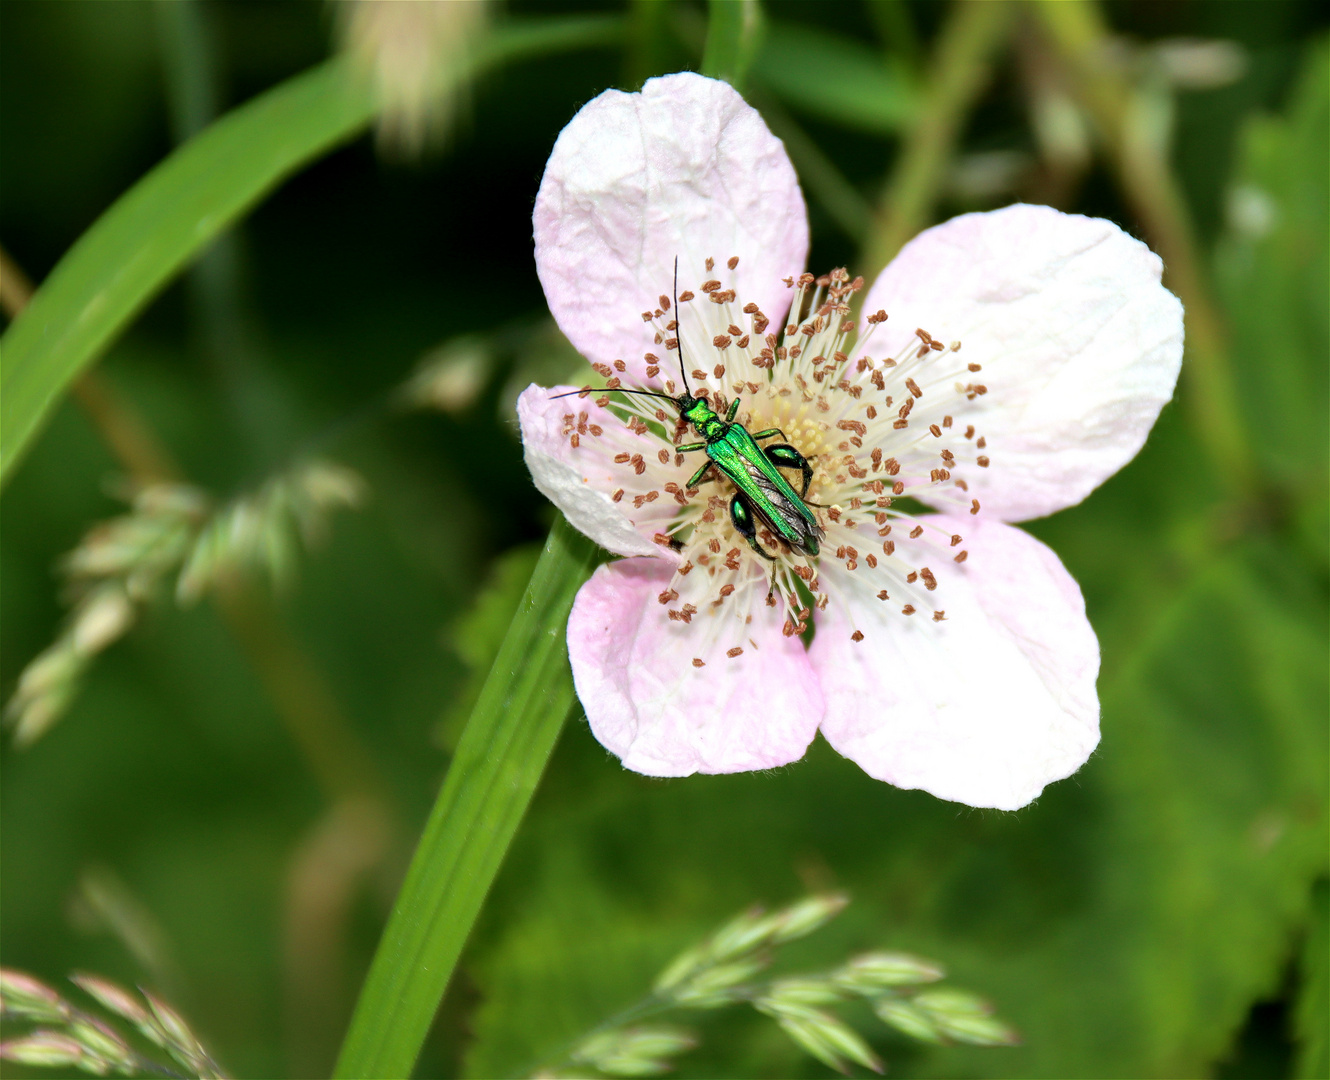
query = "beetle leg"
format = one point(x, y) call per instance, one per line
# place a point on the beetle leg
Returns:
point(741, 514)
point(769, 433)
point(688, 448)
point(734, 408)
point(700, 474)
point(785, 456)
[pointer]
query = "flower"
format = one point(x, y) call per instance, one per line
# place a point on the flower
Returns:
point(1026, 355)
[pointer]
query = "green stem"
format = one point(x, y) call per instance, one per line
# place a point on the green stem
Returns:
point(734, 29)
point(1078, 34)
point(960, 70)
point(498, 763)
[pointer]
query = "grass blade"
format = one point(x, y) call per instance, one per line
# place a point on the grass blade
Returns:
point(156, 229)
point(170, 216)
point(498, 763)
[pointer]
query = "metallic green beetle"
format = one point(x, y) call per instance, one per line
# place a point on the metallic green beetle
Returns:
point(763, 494)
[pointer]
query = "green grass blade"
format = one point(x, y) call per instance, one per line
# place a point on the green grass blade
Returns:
point(166, 220)
point(155, 229)
point(498, 763)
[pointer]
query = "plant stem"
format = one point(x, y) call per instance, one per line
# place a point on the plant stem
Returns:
point(1079, 36)
point(960, 70)
point(489, 785)
point(734, 29)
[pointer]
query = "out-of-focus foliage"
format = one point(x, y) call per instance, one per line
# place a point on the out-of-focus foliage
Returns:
point(1157, 914)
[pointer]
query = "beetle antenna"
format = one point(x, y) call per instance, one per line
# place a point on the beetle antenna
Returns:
point(607, 390)
point(678, 329)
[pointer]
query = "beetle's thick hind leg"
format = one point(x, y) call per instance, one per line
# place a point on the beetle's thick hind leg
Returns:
point(741, 515)
point(785, 456)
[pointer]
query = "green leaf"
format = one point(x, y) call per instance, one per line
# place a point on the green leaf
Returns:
point(498, 764)
point(1272, 270)
point(156, 229)
point(835, 78)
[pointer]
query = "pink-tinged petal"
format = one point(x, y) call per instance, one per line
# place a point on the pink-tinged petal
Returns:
point(580, 480)
point(1078, 341)
point(683, 169)
point(984, 708)
point(663, 715)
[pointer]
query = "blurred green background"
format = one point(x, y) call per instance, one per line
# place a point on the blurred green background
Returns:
point(226, 809)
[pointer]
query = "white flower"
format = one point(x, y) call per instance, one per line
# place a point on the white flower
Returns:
point(1026, 355)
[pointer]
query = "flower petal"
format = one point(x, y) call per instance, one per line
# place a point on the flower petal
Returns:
point(984, 708)
point(662, 715)
point(1079, 344)
point(580, 481)
point(683, 169)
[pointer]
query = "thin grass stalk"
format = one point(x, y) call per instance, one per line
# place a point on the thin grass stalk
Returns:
point(489, 785)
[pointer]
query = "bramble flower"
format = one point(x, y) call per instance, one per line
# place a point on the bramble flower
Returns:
point(1002, 367)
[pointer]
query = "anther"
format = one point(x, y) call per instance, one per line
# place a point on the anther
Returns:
point(939, 616)
point(908, 609)
point(857, 636)
point(916, 532)
point(736, 651)
point(699, 662)
point(962, 556)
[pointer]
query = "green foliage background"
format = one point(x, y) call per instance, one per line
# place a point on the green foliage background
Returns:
point(1162, 913)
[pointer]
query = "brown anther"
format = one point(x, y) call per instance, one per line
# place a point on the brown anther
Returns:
point(668, 596)
point(639, 465)
point(888, 547)
point(699, 662)
point(914, 388)
point(883, 595)
point(939, 616)
point(955, 539)
point(574, 440)
point(981, 461)
point(975, 367)
point(937, 431)
point(962, 556)
point(719, 371)
point(710, 286)
point(908, 609)
point(916, 532)
point(714, 545)
point(930, 582)
point(981, 442)
point(736, 651)
point(898, 488)
point(663, 456)
point(912, 576)
point(857, 636)
point(871, 560)
point(617, 495)
point(878, 316)
point(652, 371)
point(732, 262)
point(721, 341)
point(974, 506)
point(621, 459)
point(662, 539)
point(647, 316)
point(685, 296)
